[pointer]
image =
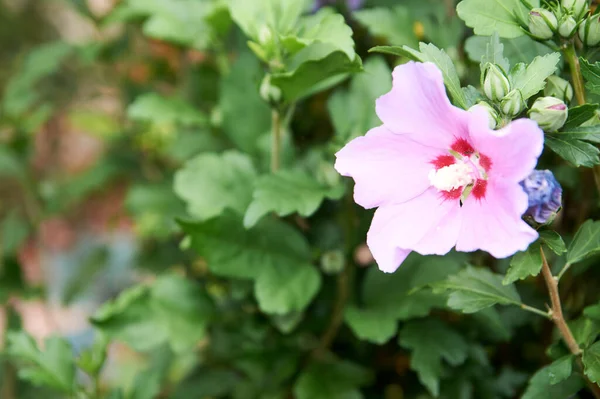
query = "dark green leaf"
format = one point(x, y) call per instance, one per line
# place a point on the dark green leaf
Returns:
point(579, 115)
point(395, 25)
point(331, 380)
point(591, 361)
point(586, 242)
point(554, 241)
point(560, 369)
point(575, 151)
point(591, 73)
point(540, 386)
point(377, 325)
point(524, 264)
point(586, 133)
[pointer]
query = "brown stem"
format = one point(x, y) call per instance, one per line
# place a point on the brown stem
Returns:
point(559, 320)
point(276, 140)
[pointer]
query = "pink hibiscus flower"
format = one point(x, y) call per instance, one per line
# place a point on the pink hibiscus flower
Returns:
point(440, 177)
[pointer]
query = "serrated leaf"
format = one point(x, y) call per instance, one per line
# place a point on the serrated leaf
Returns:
point(577, 152)
point(431, 341)
point(154, 108)
point(91, 360)
point(287, 192)
point(519, 50)
point(579, 115)
point(532, 79)
point(586, 242)
point(53, 367)
point(586, 133)
point(524, 264)
point(591, 361)
point(332, 379)
point(395, 25)
point(474, 289)
point(554, 241)
point(377, 325)
point(560, 369)
point(489, 16)
point(211, 183)
point(540, 387)
point(494, 54)
point(591, 73)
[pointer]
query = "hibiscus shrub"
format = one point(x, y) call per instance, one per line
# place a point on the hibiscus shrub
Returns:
point(301, 199)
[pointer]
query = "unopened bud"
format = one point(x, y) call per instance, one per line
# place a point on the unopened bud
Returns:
point(589, 30)
point(491, 112)
point(544, 195)
point(265, 36)
point(577, 7)
point(559, 88)
point(550, 113)
point(332, 262)
point(268, 92)
point(513, 103)
point(495, 83)
point(567, 26)
point(542, 23)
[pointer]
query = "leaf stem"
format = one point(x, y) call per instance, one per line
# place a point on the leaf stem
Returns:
point(571, 56)
point(563, 271)
point(539, 312)
point(559, 320)
point(275, 140)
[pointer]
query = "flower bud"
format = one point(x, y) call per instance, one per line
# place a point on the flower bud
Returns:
point(567, 26)
point(549, 112)
point(542, 23)
point(559, 88)
point(268, 92)
point(589, 30)
point(492, 114)
point(332, 262)
point(513, 103)
point(544, 194)
point(577, 7)
point(495, 83)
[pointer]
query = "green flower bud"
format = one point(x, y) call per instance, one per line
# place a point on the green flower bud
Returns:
point(492, 114)
point(577, 7)
point(550, 113)
point(513, 103)
point(559, 88)
point(542, 23)
point(589, 30)
point(567, 26)
point(268, 92)
point(495, 83)
point(332, 262)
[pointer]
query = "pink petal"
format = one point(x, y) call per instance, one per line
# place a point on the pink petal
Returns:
point(493, 223)
point(399, 228)
point(513, 150)
point(418, 104)
point(387, 168)
point(442, 237)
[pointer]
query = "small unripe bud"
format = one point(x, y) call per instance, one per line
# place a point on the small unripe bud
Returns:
point(513, 103)
point(492, 114)
point(544, 196)
point(495, 83)
point(550, 113)
point(332, 262)
point(559, 88)
point(542, 23)
point(589, 30)
point(577, 7)
point(268, 92)
point(567, 26)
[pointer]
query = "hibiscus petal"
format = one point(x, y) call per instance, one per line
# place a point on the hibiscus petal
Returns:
point(418, 104)
point(399, 228)
point(440, 239)
point(387, 168)
point(493, 223)
point(513, 150)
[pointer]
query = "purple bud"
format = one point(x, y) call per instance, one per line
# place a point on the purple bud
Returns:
point(545, 195)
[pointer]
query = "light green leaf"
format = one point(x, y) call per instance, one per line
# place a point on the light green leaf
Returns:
point(521, 49)
point(560, 369)
point(431, 341)
point(377, 325)
point(211, 183)
point(53, 367)
point(494, 54)
point(474, 289)
point(91, 360)
point(489, 16)
point(540, 387)
point(332, 379)
point(524, 264)
point(394, 25)
point(554, 241)
point(532, 79)
point(577, 152)
point(154, 108)
point(586, 242)
point(287, 192)
point(591, 361)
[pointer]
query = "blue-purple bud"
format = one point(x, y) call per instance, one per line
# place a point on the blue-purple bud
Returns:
point(545, 196)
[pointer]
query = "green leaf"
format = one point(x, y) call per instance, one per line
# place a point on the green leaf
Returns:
point(580, 114)
point(53, 367)
point(524, 264)
point(377, 325)
point(154, 108)
point(14, 230)
point(560, 369)
point(532, 79)
point(494, 54)
point(586, 242)
point(246, 116)
point(287, 192)
point(172, 310)
point(521, 49)
point(586, 133)
point(394, 25)
point(474, 289)
point(398, 51)
point(577, 152)
point(211, 183)
point(272, 253)
point(585, 331)
point(332, 379)
point(591, 361)
point(554, 241)
point(431, 341)
point(591, 73)
point(91, 360)
point(541, 387)
point(593, 312)
point(489, 16)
